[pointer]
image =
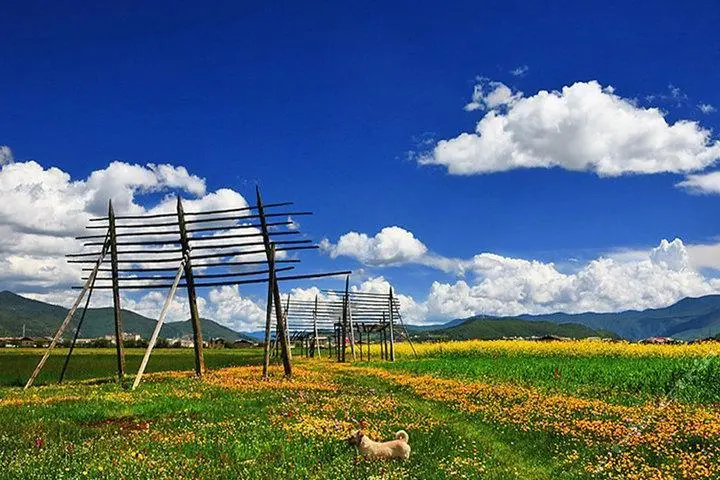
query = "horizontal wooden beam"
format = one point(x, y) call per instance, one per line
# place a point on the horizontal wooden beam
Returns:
point(235, 282)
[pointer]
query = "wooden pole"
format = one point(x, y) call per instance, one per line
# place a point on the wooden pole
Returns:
point(192, 297)
point(66, 322)
point(77, 334)
point(407, 333)
point(268, 309)
point(350, 320)
point(159, 325)
point(368, 342)
point(337, 340)
point(286, 355)
point(345, 319)
point(383, 350)
point(316, 347)
point(392, 335)
point(117, 307)
point(361, 342)
point(286, 328)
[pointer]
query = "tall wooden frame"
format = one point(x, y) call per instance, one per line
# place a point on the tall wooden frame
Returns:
point(189, 241)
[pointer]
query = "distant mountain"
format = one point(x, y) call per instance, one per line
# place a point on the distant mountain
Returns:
point(687, 319)
point(493, 328)
point(43, 319)
point(435, 326)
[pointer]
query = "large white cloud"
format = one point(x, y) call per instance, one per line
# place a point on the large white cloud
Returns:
point(391, 246)
point(510, 286)
point(43, 209)
point(583, 127)
point(499, 285)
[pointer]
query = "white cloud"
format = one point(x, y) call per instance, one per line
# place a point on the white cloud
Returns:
point(519, 71)
point(583, 127)
point(6, 155)
point(501, 285)
point(227, 306)
point(43, 209)
point(491, 95)
point(706, 108)
point(391, 246)
point(705, 255)
point(508, 286)
point(706, 183)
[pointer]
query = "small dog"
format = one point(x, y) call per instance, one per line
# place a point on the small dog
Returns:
point(398, 448)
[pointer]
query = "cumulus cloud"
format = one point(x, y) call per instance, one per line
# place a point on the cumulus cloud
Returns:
point(583, 127)
point(706, 183)
point(227, 306)
point(43, 209)
point(391, 246)
point(509, 286)
point(498, 285)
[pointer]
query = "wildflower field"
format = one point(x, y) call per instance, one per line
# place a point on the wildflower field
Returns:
point(495, 410)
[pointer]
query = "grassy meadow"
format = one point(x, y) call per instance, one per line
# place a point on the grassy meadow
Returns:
point(486, 410)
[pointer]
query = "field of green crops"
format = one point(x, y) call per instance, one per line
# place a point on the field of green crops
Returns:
point(473, 410)
point(16, 365)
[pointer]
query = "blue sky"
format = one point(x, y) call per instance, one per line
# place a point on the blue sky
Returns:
point(332, 105)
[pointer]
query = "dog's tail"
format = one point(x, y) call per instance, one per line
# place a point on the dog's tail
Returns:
point(402, 436)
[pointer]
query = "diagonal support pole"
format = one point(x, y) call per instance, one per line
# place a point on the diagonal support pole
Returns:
point(106, 245)
point(268, 310)
point(66, 322)
point(407, 334)
point(159, 325)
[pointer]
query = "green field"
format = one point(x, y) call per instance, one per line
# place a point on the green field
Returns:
point(497, 415)
point(16, 365)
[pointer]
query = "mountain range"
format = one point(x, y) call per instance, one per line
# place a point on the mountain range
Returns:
point(491, 328)
point(43, 319)
point(687, 319)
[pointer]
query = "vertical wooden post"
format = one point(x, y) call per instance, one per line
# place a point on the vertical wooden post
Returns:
point(316, 345)
point(385, 337)
point(349, 317)
point(285, 350)
point(117, 307)
point(345, 318)
point(392, 335)
point(368, 342)
point(268, 310)
point(381, 334)
point(360, 334)
point(192, 297)
point(337, 339)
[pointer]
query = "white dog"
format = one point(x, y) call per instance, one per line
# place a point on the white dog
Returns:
point(398, 448)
